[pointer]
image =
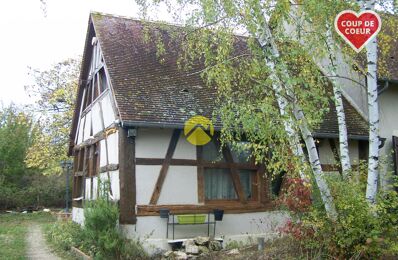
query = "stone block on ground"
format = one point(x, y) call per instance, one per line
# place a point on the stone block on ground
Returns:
point(192, 249)
point(202, 241)
point(215, 245)
point(203, 250)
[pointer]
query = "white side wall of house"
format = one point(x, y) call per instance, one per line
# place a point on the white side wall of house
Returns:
point(388, 125)
point(107, 110)
point(233, 227)
point(92, 119)
point(180, 185)
point(78, 215)
point(113, 148)
point(326, 155)
point(87, 126)
point(145, 179)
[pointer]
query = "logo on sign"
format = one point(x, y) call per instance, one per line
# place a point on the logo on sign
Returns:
point(357, 29)
point(198, 130)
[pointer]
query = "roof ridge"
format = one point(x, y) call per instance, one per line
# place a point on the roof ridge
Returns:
point(131, 18)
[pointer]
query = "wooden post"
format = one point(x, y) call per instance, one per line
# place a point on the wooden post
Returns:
point(127, 177)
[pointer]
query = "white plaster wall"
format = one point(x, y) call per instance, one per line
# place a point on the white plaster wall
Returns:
point(354, 152)
point(152, 142)
point(107, 110)
point(96, 118)
point(102, 153)
point(233, 227)
point(388, 108)
point(113, 148)
point(88, 188)
point(145, 179)
point(180, 186)
point(326, 155)
point(80, 133)
point(95, 187)
point(78, 215)
point(87, 126)
point(184, 149)
point(114, 181)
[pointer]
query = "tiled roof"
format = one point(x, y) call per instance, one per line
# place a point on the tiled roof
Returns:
point(149, 91)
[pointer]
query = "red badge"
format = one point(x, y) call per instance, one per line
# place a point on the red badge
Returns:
point(357, 29)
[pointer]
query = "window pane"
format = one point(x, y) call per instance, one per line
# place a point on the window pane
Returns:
point(246, 181)
point(211, 153)
point(218, 184)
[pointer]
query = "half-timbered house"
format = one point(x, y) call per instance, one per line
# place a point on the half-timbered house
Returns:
point(127, 129)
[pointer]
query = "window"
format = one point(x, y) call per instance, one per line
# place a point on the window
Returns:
point(218, 184)
point(218, 173)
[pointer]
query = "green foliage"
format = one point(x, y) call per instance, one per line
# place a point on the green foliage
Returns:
point(100, 219)
point(15, 139)
point(359, 231)
point(36, 190)
point(55, 90)
point(99, 237)
point(65, 234)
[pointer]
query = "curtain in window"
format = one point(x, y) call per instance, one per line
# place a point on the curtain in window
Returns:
point(218, 184)
point(246, 181)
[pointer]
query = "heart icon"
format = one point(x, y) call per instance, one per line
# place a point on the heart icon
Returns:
point(357, 29)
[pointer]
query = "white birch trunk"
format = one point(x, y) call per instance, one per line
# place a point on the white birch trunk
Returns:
point(332, 69)
point(297, 149)
point(371, 76)
point(338, 101)
point(265, 40)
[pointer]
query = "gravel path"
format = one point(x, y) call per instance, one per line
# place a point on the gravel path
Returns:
point(37, 247)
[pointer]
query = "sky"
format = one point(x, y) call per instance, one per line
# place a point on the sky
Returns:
point(36, 35)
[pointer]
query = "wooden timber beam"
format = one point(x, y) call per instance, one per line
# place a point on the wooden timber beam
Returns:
point(127, 178)
point(189, 162)
point(200, 174)
point(165, 166)
point(227, 206)
point(96, 138)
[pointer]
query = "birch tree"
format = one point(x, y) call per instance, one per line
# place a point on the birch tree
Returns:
point(265, 39)
point(338, 101)
point(371, 77)
point(292, 97)
point(328, 69)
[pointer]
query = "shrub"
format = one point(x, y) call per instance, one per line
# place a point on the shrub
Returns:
point(102, 236)
point(65, 234)
point(360, 229)
point(36, 190)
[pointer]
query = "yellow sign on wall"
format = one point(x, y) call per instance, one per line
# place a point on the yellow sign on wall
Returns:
point(198, 130)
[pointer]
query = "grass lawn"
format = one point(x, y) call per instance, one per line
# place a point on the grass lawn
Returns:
point(13, 229)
